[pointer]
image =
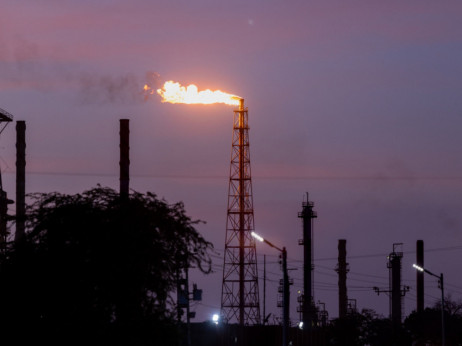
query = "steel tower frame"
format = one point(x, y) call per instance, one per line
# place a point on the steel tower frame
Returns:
point(240, 295)
point(5, 118)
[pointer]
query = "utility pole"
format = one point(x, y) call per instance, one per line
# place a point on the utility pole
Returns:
point(443, 332)
point(264, 289)
point(285, 289)
point(441, 286)
point(285, 299)
point(184, 297)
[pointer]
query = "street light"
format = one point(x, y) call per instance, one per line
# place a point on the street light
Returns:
point(285, 287)
point(440, 278)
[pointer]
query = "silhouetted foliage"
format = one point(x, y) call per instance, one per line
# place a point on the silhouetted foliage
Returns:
point(425, 327)
point(366, 328)
point(347, 330)
point(97, 270)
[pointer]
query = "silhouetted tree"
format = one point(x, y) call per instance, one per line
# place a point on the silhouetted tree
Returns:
point(425, 327)
point(347, 330)
point(97, 270)
point(365, 328)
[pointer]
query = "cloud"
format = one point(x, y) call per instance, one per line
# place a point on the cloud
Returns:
point(153, 82)
point(23, 66)
point(125, 88)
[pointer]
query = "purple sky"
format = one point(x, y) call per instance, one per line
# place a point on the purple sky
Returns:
point(358, 104)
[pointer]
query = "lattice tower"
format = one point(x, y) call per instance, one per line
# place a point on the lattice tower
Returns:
point(5, 118)
point(239, 298)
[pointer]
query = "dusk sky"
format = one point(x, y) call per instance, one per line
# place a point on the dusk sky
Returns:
point(358, 103)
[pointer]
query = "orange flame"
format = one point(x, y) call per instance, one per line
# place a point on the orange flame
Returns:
point(173, 92)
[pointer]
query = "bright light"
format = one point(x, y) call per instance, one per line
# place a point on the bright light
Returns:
point(176, 93)
point(418, 268)
point(300, 325)
point(256, 236)
point(215, 318)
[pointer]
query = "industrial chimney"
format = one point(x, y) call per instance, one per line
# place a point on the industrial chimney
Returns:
point(342, 270)
point(20, 179)
point(420, 276)
point(124, 158)
point(308, 312)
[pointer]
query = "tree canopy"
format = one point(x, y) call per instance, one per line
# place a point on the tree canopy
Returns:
point(97, 269)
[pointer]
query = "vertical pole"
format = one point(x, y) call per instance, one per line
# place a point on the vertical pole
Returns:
point(20, 179)
point(178, 296)
point(307, 303)
point(420, 276)
point(178, 306)
point(342, 274)
point(285, 299)
point(241, 214)
point(124, 158)
point(188, 317)
point(443, 331)
point(264, 289)
point(396, 291)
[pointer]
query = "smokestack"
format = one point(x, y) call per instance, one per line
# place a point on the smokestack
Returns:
point(308, 312)
point(342, 270)
point(395, 262)
point(124, 158)
point(20, 179)
point(420, 276)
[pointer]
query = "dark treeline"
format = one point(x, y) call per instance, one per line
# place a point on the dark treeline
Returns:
point(364, 328)
point(93, 269)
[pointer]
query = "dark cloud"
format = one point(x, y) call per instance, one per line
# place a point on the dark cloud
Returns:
point(153, 82)
point(126, 89)
point(110, 89)
point(23, 66)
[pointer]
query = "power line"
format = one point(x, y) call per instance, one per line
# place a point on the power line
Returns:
point(262, 177)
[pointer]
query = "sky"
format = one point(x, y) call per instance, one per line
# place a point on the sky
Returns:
point(356, 103)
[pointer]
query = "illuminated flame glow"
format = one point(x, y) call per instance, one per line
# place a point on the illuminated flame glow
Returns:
point(173, 92)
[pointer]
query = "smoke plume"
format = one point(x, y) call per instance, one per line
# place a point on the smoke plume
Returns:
point(24, 65)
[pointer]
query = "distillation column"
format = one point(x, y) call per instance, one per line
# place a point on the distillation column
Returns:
point(308, 312)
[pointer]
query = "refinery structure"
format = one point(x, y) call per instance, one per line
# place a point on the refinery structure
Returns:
point(240, 295)
point(240, 290)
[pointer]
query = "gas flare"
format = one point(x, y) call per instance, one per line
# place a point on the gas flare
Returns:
point(174, 92)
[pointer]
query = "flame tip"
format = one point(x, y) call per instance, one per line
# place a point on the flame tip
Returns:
point(174, 92)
